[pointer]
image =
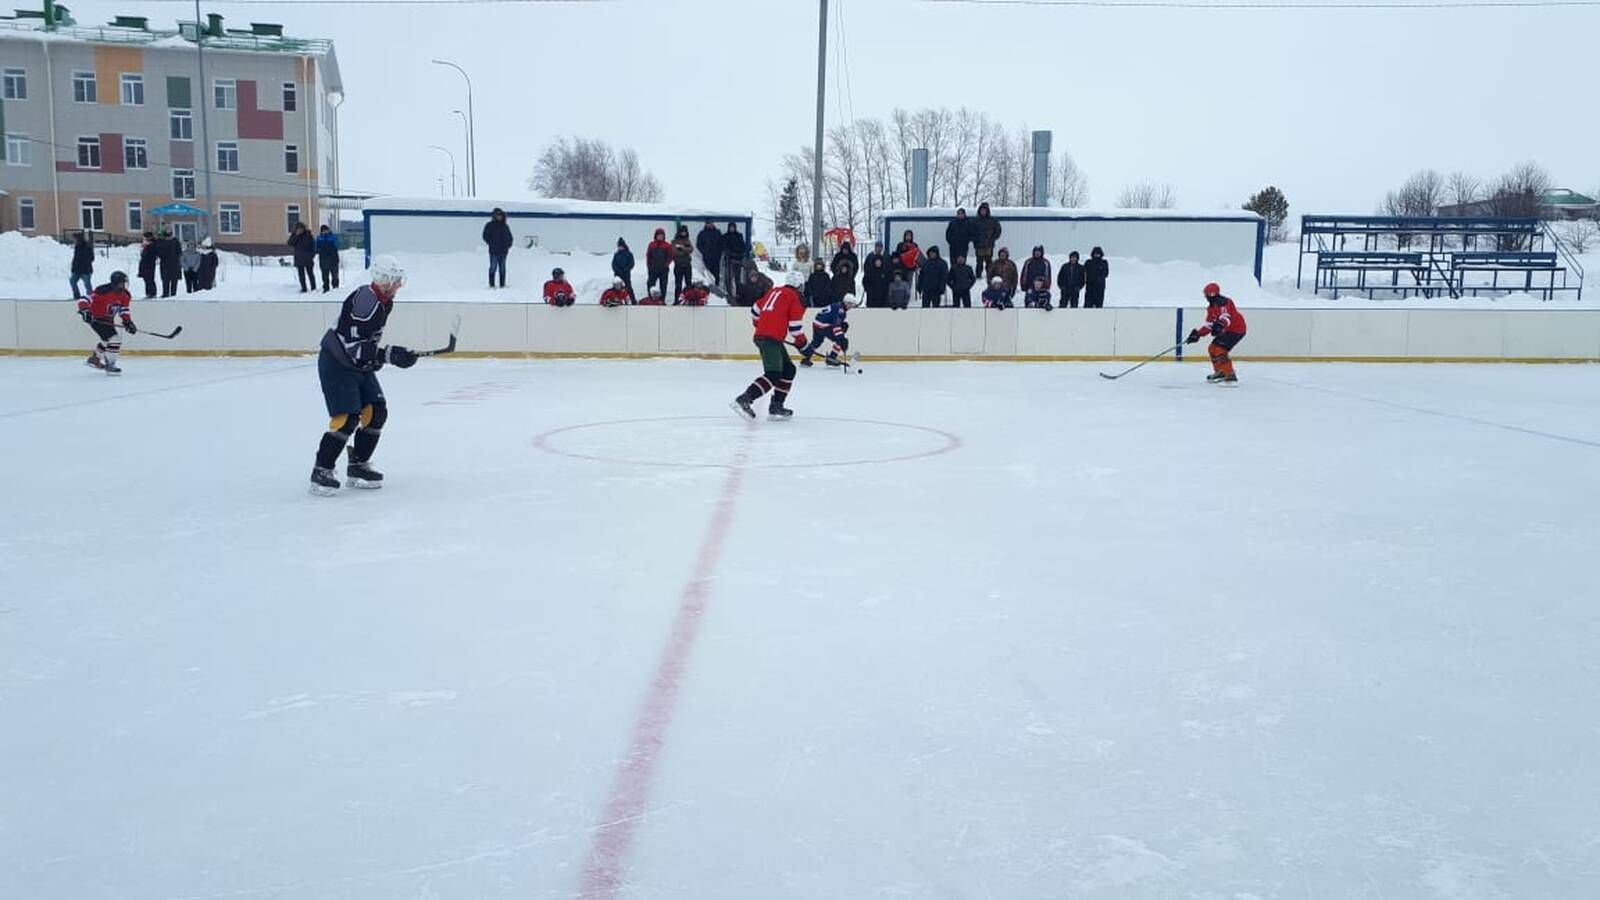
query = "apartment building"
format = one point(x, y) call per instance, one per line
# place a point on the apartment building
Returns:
point(106, 124)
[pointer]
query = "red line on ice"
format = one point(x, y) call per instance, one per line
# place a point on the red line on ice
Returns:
point(630, 789)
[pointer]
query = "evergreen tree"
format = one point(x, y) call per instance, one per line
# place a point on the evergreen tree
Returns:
point(1270, 204)
point(789, 225)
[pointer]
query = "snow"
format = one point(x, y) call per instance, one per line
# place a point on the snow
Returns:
point(35, 269)
point(549, 206)
point(1036, 212)
point(1330, 634)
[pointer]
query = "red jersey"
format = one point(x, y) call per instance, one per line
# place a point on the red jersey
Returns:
point(554, 289)
point(106, 303)
point(615, 297)
point(1223, 317)
point(779, 315)
point(694, 296)
point(649, 300)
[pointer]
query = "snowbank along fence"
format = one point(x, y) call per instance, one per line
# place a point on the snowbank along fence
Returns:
point(520, 330)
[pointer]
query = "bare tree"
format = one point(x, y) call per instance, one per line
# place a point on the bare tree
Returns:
point(1580, 234)
point(1518, 194)
point(589, 169)
point(1420, 195)
point(1145, 195)
point(1463, 188)
point(1069, 187)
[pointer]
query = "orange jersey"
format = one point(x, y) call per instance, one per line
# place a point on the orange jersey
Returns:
point(1223, 317)
point(779, 315)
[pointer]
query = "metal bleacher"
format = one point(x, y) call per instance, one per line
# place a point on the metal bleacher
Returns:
point(1436, 256)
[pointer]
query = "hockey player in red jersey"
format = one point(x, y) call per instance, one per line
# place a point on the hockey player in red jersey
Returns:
point(778, 321)
point(1226, 326)
point(100, 311)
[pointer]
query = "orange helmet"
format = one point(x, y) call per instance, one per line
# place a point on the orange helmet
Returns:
point(1213, 289)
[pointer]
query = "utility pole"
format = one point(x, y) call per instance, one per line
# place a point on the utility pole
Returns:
point(205, 132)
point(452, 156)
point(472, 131)
point(816, 171)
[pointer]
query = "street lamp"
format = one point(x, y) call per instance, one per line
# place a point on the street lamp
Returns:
point(472, 130)
point(466, 132)
point(452, 166)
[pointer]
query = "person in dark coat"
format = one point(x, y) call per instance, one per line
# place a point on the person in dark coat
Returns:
point(147, 264)
point(931, 279)
point(328, 257)
point(1095, 273)
point(682, 263)
point(657, 261)
point(82, 266)
point(961, 279)
point(709, 242)
point(819, 287)
point(169, 257)
point(845, 265)
point(733, 253)
point(1035, 266)
point(875, 277)
point(305, 254)
point(497, 235)
point(986, 232)
point(752, 287)
point(622, 266)
point(1070, 280)
point(1006, 270)
point(207, 277)
point(959, 234)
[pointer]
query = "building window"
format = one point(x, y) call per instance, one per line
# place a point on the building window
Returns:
point(182, 121)
point(19, 150)
point(183, 184)
point(291, 159)
point(88, 153)
point(132, 90)
point(224, 94)
point(230, 219)
point(15, 85)
point(135, 154)
point(83, 88)
point(227, 156)
point(135, 216)
point(290, 99)
point(92, 215)
point(291, 217)
point(25, 213)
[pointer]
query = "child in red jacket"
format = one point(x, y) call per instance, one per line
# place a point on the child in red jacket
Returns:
point(100, 311)
point(558, 290)
point(1226, 326)
point(694, 295)
point(616, 295)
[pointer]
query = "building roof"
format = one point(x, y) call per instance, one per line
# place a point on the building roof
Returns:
point(1053, 212)
point(546, 207)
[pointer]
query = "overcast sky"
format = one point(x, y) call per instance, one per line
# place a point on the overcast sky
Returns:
point(1334, 107)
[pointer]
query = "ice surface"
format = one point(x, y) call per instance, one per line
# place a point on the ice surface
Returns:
point(1332, 634)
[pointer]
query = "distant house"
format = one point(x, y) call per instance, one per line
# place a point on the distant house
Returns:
point(1556, 204)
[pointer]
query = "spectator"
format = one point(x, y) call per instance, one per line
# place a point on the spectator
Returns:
point(752, 287)
point(845, 266)
point(961, 280)
point(169, 256)
point(875, 277)
point(191, 268)
point(693, 295)
point(304, 247)
point(985, 234)
point(622, 265)
point(82, 266)
point(931, 279)
point(907, 255)
point(619, 294)
point(710, 243)
point(1035, 266)
point(208, 265)
point(682, 262)
point(1095, 274)
point(1038, 296)
point(1070, 280)
point(657, 261)
point(147, 264)
point(653, 298)
point(899, 291)
point(328, 257)
point(802, 258)
point(819, 287)
point(1007, 270)
point(959, 234)
point(997, 297)
point(733, 254)
point(496, 234)
point(558, 290)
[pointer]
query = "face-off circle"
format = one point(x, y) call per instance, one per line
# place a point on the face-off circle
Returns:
point(713, 442)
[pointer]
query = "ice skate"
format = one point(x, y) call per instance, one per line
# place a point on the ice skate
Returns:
point(112, 368)
point(1229, 381)
point(360, 474)
point(776, 413)
point(805, 362)
point(1215, 377)
point(742, 406)
point(94, 362)
point(323, 484)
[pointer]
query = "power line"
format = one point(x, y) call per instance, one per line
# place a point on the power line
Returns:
point(1288, 6)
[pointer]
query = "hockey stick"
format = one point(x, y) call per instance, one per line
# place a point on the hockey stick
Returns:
point(455, 328)
point(1141, 365)
point(168, 336)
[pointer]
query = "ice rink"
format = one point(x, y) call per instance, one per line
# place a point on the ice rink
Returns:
point(957, 631)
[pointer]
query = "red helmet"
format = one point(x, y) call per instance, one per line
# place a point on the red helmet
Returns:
point(1213, 289)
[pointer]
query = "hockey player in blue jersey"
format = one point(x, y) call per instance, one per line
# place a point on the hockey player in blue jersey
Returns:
point(829, 325)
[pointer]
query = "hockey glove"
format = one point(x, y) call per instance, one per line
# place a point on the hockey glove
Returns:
point(1194, 336)
point(402, 357)
point(843, 327)
point(128, 326)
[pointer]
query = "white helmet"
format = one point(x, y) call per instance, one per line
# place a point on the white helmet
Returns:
point(996, 281)
point(795, 279)
point(850, 302)
point(386, 271)
point(616, 282)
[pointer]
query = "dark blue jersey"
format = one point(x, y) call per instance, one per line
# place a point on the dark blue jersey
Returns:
point(830, 317)
point(354, 341)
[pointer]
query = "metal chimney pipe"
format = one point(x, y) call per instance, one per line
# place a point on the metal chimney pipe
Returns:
point(919, 178)
point(1041, 168)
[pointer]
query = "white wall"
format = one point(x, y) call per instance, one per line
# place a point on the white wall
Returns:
point(517, 329)
point(1225, 243)
point(438, 232)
